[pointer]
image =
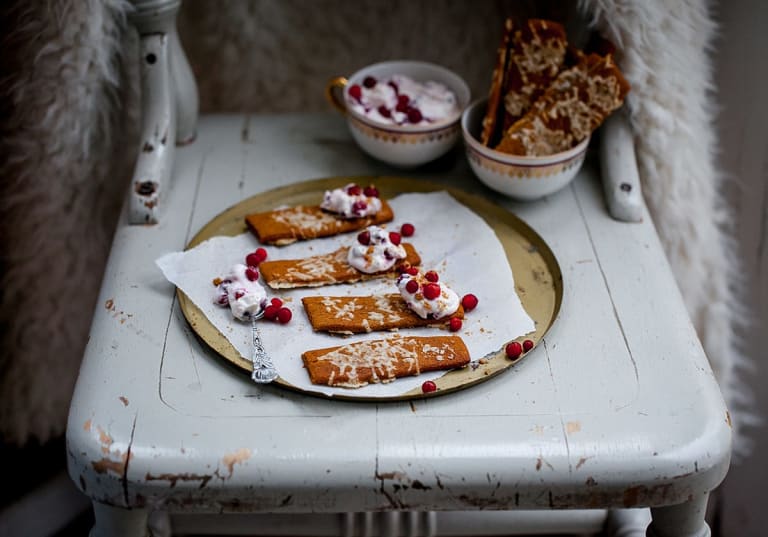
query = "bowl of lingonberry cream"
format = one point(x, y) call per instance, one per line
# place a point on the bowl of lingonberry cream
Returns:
point(405, 113)
point(523, 177)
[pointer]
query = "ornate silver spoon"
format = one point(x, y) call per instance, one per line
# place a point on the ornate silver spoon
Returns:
point(264, 370)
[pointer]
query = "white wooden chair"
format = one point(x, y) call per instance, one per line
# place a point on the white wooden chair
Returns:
point(118, 459)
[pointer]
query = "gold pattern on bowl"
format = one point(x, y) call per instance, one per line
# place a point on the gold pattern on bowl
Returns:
point(397, 137)
point(524, 171)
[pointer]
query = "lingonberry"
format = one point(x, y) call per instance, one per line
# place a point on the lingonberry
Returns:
point(469, 302)
point(355, 92)
point(414, 115)
point(514, 350)
point(431, 291)
point(359, 207)
point(412, 286)
point(371, 191)
point(354, 190)
point(254, 258)
point(284, 315)
point(364, 238)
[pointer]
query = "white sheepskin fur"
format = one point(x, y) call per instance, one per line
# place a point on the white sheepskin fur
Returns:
point(666, 55)
point(69, 135)
point(62, 178)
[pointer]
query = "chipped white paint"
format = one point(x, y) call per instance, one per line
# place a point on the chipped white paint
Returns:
point(616, 407)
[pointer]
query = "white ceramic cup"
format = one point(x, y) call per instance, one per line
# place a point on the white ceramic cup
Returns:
point(401, 145)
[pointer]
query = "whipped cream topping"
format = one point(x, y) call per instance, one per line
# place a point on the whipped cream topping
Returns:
point(245, 298)
point(376, 254)
point(444, 304)
point(350, 201)
point(400, 100)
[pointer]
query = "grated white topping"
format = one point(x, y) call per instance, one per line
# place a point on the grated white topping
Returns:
point(382, 357)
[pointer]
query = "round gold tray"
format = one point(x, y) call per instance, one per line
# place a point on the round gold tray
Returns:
point(538, 279)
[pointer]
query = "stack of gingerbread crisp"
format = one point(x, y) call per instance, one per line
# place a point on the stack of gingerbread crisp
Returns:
point(547, 96)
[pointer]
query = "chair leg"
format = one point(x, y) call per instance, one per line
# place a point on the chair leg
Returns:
point(118, 522)
point(185, 92)
point(627, 523)
point(683, 520)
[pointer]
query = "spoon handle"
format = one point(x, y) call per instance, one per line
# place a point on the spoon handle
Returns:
point(264, 370)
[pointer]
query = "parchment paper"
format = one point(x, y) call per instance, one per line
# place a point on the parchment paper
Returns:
point(450, 238)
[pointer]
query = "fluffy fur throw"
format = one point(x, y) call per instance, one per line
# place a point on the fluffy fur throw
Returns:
point(71, 83)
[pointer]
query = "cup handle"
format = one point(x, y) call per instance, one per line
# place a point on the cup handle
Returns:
point(333, 93)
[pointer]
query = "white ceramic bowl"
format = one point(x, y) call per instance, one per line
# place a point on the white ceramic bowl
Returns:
point(523, 178)
point(402, 145)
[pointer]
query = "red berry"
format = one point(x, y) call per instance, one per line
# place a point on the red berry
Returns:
point(469, 302)
point(354, 190)
point(223, 299)
point(428, 386)
point(239, 295)
point(369, 82)
point(412, 286)
point(355, 92)
point(431, 276)
point(276, 302)
point(394, 237)
point(527, 345)
point(371, 191)
point(414, 115)
point(431, 291)
point(413, 271)
point(359, 207)
point(254, 258)
point(455, 324)
point(364, 238)
point(270, 312)
point(252, 274)
point(514, 350)
point(384, 111)
point(407, 230)
point(284, 315)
